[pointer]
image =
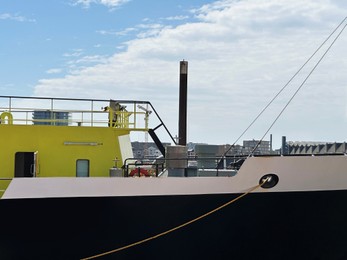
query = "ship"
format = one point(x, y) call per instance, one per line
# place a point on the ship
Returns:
point(71, 188)
point(67, 192)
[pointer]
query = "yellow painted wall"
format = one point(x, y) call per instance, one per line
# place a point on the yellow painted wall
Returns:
point(55, 158)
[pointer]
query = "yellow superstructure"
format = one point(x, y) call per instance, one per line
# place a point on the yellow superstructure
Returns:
point(58, 148)
point(55, 140)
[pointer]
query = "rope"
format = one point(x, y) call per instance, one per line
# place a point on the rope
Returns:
point(180, 226)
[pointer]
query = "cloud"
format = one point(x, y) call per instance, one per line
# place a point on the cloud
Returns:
point(177, 18)
point(15, 17)
point(240, 54)
point(151, 30)
point(117, 33)
point(76, 65)
point(54, 71)
point(141, 30)
point(107, 3)
point(74, 53)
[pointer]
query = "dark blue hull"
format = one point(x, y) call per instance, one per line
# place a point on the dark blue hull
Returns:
point(290, 225)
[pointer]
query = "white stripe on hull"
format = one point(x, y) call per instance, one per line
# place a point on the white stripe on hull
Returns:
point(296, 173)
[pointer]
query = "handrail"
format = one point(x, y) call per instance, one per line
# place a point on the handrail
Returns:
point(162, 164)
point(71, 99)
point(86, 117)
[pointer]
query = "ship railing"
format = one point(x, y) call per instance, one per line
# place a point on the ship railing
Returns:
point(72, 117)
point(139, 167)
point(132, 115)
point(182, 167)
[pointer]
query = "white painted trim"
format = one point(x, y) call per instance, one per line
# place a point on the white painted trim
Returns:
point(297, 173)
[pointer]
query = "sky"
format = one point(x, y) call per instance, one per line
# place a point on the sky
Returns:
point(240, 54)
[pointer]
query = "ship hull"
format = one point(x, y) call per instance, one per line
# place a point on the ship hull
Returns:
point(273, 225)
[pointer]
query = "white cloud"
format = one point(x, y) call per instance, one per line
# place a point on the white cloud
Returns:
point(107, 3)
point(117, 33)
point(151, 30)
point(177, 18)
point(89, 60)
point(113, 3)
point(54, 71)
point(143, 30)
point(74, 53)
point(15, 17)
point(240, 54)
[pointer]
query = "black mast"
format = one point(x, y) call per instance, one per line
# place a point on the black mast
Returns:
point(182, 121)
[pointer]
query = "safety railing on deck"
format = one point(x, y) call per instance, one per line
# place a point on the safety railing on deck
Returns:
point(125, 114)
point(182, 167)
point(70, 112)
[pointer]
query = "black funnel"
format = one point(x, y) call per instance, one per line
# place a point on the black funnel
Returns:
point(182, 120)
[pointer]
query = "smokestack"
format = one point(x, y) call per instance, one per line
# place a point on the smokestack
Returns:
point(182, 120)
point(270, 143)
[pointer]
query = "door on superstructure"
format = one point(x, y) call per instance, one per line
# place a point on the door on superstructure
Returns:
point(26, 164)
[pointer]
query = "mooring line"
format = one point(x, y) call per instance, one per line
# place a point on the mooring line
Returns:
point(180, 226)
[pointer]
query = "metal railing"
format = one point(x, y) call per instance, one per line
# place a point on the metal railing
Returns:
point(124, 114)
point(156, 166)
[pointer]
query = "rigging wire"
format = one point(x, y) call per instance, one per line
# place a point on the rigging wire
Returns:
point(298, 89)
point(281, 90)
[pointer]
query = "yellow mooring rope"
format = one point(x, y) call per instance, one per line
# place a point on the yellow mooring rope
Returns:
point(180, 226)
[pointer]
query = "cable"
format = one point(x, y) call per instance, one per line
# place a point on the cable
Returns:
point(299, 88)
point(280, 91)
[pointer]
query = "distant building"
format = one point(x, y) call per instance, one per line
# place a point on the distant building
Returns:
point(259, 147)
point(144, 150)
point(48, 117)
point(211, 153)
point(313, 148)
point(208, 150)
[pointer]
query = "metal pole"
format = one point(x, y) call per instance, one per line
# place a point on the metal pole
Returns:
point(182, 121)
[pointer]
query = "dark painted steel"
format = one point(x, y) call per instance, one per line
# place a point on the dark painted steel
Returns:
point(182, 121)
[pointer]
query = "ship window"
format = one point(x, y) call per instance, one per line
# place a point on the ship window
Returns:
point(82, 168)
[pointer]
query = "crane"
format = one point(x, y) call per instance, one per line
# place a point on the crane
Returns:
point(147, 113)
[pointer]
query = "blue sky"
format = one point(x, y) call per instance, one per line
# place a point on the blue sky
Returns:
point(45, 37)
point(240, 54)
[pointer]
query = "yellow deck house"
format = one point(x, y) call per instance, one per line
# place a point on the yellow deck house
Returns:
point(65, 137)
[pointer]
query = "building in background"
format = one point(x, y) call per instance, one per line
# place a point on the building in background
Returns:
point(142, 150)
point(304, 148)
point(48, 117)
